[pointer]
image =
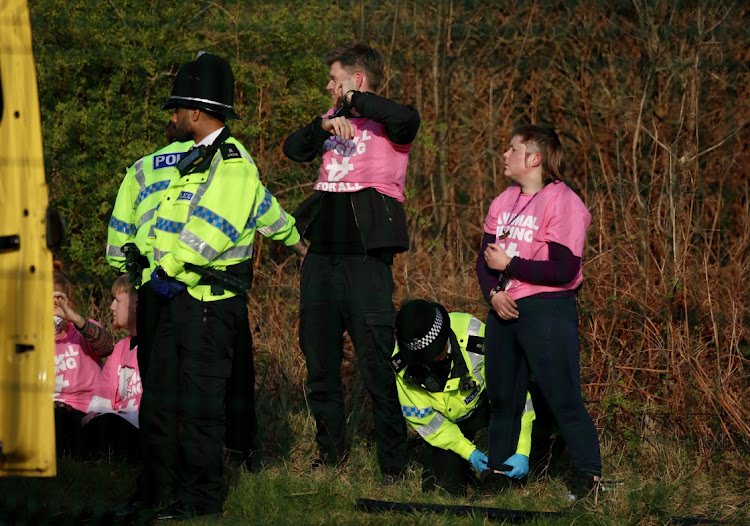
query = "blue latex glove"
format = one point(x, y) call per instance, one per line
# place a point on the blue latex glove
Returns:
point(520, 465)
point(166, 288)
point(478, 460)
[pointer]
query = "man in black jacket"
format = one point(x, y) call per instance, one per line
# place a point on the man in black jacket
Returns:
point(355, 223)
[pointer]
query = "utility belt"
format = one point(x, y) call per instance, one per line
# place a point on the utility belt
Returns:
point(235, 278)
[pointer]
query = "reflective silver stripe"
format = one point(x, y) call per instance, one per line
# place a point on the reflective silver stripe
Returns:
point(196, 99)
point(198, 245)
point(138, 166)
point(432, 427)
point(115, 252)
point(276, 226)
point(529, 406)
point(151, 232)
point(158, 254)
point(246, 156)
point(474, 326)
point(145, 218)
point(204, 186)
point(239, 252)
point(476, 366)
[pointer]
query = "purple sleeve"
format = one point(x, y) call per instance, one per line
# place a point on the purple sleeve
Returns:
point(561, 267)
point(487, 277)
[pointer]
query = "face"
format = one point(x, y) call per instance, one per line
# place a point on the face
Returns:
point(182, 125)
point(123, 310)
point(337, 75)
point(516, 164)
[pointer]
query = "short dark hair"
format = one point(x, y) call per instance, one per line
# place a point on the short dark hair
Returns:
point(357, 55)
point(544, 140)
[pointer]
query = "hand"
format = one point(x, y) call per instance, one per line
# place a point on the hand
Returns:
point(496, 257)
point(166, 288)
point(478, 460)
point(504, 305)
point(520, 465)
point(300, 249)
point(348, 85)
point(65, 310)
point(340, 126)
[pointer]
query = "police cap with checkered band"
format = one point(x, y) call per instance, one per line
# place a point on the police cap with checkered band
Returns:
point(422, 330)
point(207, 83)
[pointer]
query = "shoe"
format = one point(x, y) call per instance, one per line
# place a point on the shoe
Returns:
point(492, 483)
point(587, 488)
point(391, 477)
point(131, 510)
point(177, 511)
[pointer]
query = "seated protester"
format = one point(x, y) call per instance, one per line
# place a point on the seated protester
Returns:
point(439, 365)
point(112, 420)
point(80, 345)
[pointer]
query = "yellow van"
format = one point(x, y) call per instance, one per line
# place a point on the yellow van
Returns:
point(27, 231)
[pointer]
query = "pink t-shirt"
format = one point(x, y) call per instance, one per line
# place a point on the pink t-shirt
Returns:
point(120, 380)
point(77, 369)
point(369, 160)
point(555, 214)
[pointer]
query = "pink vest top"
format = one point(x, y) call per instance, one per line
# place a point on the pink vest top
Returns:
point(77, 369)
point(369, 160)
point(555, 215)
point(121, 378)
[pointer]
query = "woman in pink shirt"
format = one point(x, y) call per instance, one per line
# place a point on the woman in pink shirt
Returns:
point(529, 269)
point(79, 346)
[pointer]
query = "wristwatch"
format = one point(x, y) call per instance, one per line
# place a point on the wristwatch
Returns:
point(494, 291)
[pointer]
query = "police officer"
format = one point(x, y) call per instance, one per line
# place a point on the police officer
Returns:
point(439, 365)
point(202, 241)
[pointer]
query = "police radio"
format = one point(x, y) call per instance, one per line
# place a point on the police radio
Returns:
point(198, 158)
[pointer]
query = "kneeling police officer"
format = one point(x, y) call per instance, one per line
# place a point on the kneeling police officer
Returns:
point(439, 366)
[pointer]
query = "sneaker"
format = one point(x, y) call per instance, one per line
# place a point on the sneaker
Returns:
point(587, 488)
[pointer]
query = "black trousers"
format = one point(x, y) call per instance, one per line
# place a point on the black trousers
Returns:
point(182, 412)
point(543, 341)
point(353, 294)
point(240, 405)
point(442, 468)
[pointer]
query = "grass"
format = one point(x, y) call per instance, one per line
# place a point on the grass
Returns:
point(661, 483)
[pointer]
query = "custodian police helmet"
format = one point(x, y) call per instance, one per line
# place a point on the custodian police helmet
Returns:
point(422, 330)
point(206, 83)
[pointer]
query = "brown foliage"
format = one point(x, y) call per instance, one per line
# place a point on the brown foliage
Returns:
point(651, 101)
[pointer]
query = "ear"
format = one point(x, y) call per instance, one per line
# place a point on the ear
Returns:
point(359, 78)
point(195, 115)
point(536, 159)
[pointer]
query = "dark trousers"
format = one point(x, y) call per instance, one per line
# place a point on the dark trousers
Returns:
point(182, 412)
point(147, 318)
point(543, 341)
point(353, 294)
point(240, 404)
point(442, 468)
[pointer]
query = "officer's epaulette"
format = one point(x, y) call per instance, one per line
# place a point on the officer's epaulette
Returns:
point(229, 151)
point(475, 344)
point(397, 363)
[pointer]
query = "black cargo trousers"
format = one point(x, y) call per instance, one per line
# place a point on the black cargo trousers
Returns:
point(352, 293)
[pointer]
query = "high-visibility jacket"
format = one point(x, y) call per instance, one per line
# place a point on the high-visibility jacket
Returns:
point(209, 219)
point(134, 214)
point(435, 416)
